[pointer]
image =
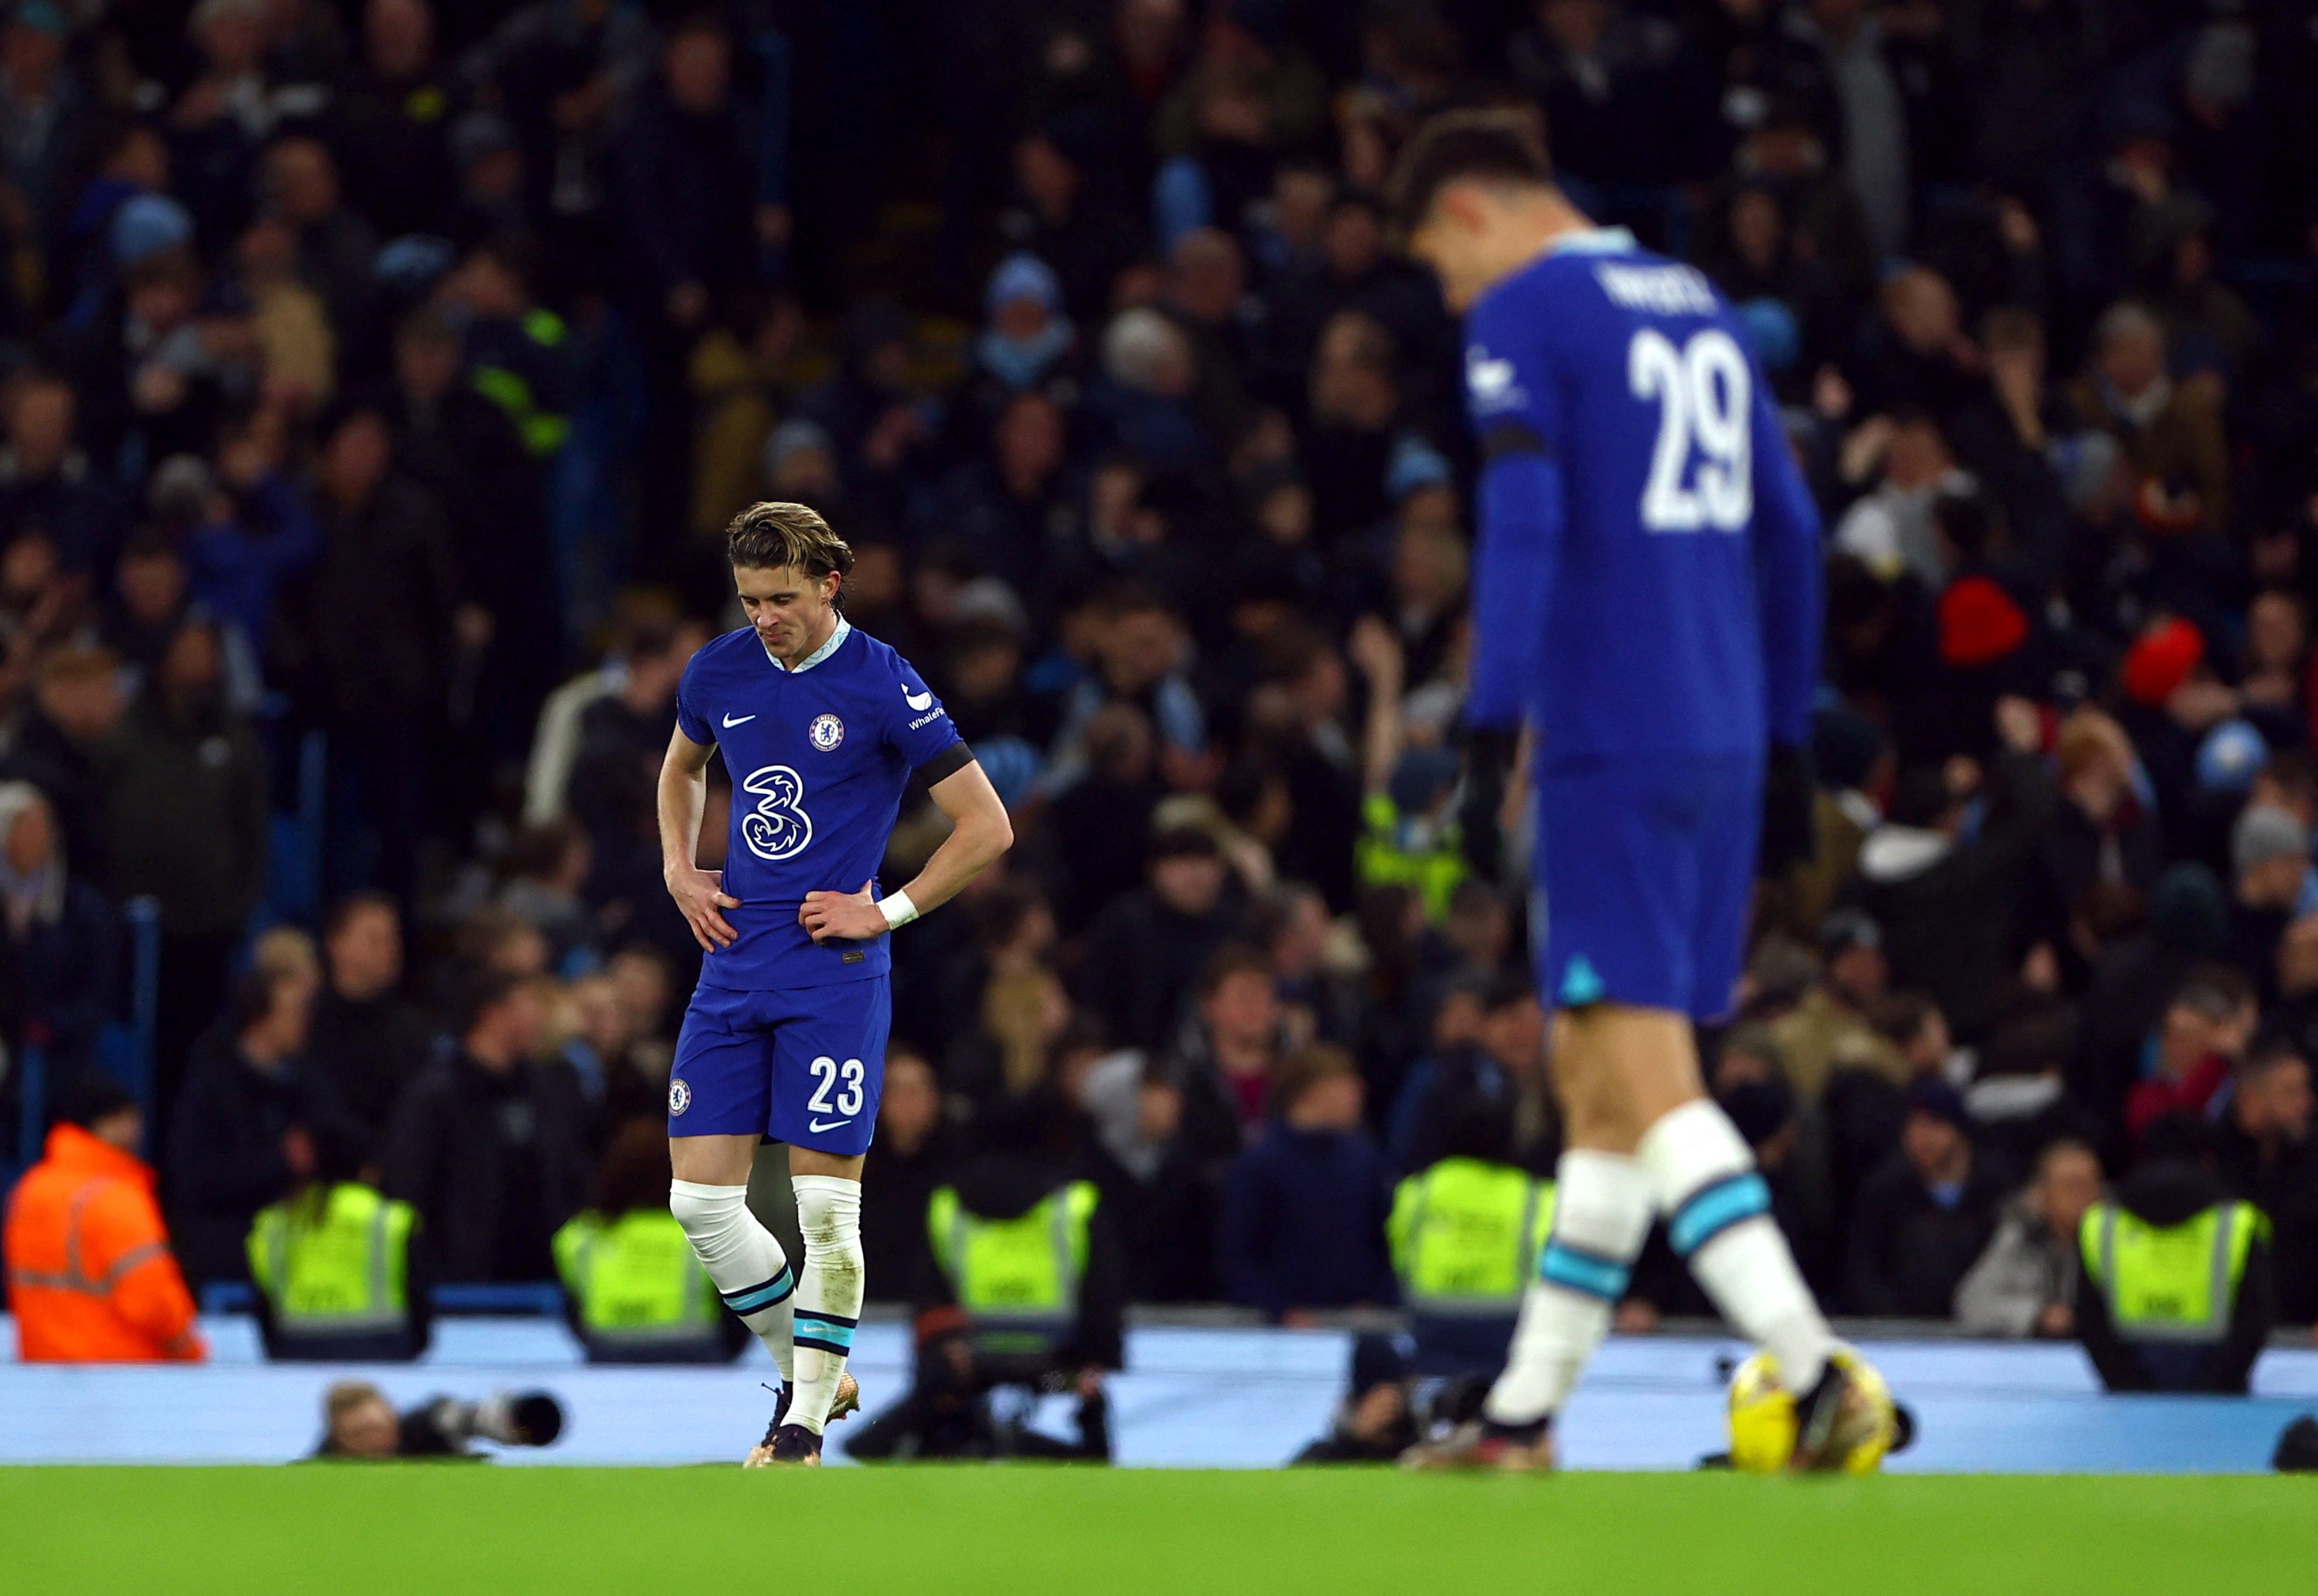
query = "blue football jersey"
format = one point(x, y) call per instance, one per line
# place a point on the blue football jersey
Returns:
point(1649, 573)
point(819, 758)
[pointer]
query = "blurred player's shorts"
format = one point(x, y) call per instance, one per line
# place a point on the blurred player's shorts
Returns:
point(1645, 871)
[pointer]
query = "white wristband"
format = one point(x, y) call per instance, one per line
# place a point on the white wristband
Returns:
point(898, 910)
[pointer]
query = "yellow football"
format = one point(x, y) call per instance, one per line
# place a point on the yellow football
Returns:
point(1763, 1417)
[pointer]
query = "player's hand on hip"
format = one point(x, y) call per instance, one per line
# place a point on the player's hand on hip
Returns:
point(700, 895)
point(842, 917)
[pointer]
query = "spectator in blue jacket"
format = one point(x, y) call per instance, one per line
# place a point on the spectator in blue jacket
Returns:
point(246, 529)
point(1304, 1208)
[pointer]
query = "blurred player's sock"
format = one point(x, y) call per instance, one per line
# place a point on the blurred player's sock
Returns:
point(1601, 1214)
point(1717, 1214)
point(747, 1264)
point(829, 1291)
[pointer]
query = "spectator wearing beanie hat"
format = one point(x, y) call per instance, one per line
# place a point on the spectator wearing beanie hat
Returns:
point(1979, 623)
point(1829, 1027)
point(1925, 1217)
point(1026, 334)
point(1989, 648)
point(2269, 860)
point(2233, 754)
point(2161, 661)
point(144, 226)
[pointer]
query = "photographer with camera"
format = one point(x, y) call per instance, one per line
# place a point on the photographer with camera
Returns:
point(1031, 1300)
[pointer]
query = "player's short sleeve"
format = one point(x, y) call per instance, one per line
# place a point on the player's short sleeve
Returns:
point(1509, 387)
point(917, 724)
point(692, 716)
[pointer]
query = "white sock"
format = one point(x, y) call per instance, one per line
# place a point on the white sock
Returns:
point(750, 1272)
point(829, 1291)
point(1718, 1214)
point(1601, 1215)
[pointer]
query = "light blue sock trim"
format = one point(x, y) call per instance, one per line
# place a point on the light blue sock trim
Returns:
point(1713, 1209)
point(1584, 1272)
point(771, 1294)
point(828, 1334)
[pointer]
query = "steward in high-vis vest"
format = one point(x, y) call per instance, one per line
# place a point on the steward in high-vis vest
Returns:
point(90, 1275)
point(1031, 1294)
point(1409, 835)
point(637, 1291)
point(520, 353)
point(1023, 1247)
point(1016, 1277)
point(1466, 1234)
point(634, 1289)
point(331, 1268)
point(2177, 1291)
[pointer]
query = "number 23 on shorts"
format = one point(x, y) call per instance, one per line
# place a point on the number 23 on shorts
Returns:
point(826, 1072)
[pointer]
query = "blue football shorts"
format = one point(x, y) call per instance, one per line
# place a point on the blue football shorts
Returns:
point(805, 1066)
point(1645, 875)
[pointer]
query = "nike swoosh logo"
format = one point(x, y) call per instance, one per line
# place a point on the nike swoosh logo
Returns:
point(817, 1126)
point(732, 721)
point(919, 701)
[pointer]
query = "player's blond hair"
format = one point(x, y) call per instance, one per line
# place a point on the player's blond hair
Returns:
point(772, 533)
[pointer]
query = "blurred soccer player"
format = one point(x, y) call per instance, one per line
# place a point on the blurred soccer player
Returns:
point(821, 727)
point(1647, 600)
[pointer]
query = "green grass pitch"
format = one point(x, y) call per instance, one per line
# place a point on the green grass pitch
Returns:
point(355, 1530)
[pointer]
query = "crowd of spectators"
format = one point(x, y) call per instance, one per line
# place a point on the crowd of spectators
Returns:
point(377, 379)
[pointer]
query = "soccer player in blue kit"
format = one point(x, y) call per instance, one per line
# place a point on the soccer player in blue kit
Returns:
point(1646, 602)
point(821, 727)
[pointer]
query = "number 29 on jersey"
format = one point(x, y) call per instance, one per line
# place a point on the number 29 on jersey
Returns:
point(1701, 473)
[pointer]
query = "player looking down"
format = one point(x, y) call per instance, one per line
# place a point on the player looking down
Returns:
point(821, 727)
point(1647, 600)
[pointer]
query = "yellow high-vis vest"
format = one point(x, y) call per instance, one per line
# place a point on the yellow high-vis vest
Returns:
point(2170, 1283)
point(636, 1280)
point(1019, 1278)
point(338, 1266)
point(1466, 1236)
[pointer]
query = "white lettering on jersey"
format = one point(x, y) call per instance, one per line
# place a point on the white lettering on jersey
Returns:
point(778, 827)
point(1657, 290)
point(1491, 381)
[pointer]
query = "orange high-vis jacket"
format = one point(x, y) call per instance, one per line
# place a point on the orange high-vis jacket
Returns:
point(90, 1274)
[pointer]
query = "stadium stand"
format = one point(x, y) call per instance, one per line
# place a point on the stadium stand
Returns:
point(376, 382)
